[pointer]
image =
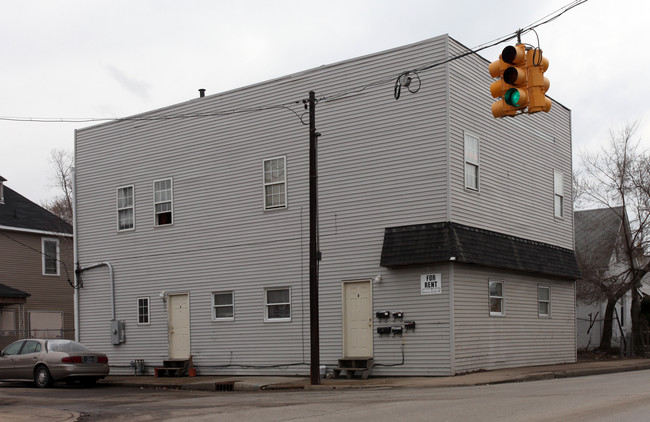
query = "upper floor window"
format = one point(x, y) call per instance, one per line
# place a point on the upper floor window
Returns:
point(163, 202)
point(125, 208)
point(275, 183)
point(471, 162)
point(497, 298)
point(558, 188)
point(50, 253)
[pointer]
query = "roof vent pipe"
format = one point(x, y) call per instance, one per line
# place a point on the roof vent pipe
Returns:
point(201, 92)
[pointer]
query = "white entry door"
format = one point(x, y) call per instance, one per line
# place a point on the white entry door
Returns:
point(357, 319)
point(178, 312)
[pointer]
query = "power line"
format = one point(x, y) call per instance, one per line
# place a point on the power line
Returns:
point(396, 79)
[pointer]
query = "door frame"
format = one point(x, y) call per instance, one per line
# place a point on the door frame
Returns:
point(189, 322)
point(344, 316)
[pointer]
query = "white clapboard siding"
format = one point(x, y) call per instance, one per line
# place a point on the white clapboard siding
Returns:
point(382, 163)
point(517, 160)
point(519, 338)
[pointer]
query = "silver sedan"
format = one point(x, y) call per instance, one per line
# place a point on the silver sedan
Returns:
point(46, 361)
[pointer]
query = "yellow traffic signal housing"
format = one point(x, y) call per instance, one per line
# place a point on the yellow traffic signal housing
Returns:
point(512, 86)
point(537, 83)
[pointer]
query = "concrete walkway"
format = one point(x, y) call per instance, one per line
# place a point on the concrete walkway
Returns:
point(257, 383)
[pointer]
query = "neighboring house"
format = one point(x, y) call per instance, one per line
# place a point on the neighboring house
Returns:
point(36, 299)
point(599, 244)
point(193, 225)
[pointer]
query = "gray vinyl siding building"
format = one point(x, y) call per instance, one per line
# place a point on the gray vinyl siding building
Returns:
point(385, 166)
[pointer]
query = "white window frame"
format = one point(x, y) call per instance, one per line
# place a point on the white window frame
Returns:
point(45, 256)
point(546, 301)
point(157, 202)
point(501, 298)
point(472, 182)
point(215, 306)
point(121, 209)
point(558, 194)
point(267, 305)
point(282, 184)
point(148, 307)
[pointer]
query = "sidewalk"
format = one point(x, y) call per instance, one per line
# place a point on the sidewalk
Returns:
point(257, 383)
point(242, 383)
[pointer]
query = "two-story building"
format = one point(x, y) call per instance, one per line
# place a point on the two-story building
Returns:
point(446, 234)
point(36, 295)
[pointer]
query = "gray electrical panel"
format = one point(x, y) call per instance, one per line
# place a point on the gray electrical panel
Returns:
point(118, 334)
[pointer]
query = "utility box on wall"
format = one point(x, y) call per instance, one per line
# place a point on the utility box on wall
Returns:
point(118, 334)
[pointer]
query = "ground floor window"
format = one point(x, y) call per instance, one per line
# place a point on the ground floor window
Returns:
point(7, 322)
point(143, 310)
point(497, 298)
point(278, 304)
point(544, 300)
point(223, 306)
point(43, 324)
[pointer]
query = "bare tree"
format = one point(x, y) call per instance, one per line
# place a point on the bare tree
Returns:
point(61, 204)
point(618, 176)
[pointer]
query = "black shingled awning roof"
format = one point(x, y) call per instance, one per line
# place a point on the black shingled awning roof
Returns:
point(6, 291)
point(440, 242)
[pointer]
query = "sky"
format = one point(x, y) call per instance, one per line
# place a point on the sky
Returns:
point(71, 59)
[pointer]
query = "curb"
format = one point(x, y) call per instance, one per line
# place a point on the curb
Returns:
point(233, 384)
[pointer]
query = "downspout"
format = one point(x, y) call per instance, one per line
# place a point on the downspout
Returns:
point(75, 250)
point(111, 280)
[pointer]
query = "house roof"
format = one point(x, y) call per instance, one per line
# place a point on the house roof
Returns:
point(20, 213)
point(447, 241)
point(6, 291)
point(596, 232)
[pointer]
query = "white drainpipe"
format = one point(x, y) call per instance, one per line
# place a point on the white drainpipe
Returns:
point(111, 280)
point(75, 251)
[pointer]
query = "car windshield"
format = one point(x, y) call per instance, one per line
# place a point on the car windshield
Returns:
point(65, 346)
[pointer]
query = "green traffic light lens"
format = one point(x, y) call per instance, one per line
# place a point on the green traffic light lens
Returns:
point(512, 97)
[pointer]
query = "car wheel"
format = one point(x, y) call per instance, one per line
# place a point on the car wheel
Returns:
point(42, 377)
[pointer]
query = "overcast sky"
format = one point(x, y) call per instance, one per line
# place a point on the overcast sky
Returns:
point(106, 59)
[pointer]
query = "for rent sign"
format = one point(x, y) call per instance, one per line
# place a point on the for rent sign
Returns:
point(431, 284)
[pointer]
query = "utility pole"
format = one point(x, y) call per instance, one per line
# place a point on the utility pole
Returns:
point(314, 252)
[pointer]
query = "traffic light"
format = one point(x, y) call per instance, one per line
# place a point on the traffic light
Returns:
point(537, 83)
point(512, 86)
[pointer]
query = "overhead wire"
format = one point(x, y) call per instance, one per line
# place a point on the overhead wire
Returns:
point(65, 267)
point(396, 79)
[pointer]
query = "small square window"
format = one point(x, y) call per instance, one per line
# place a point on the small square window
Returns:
point(223, 306)
point(544, 300)
point(496, 297)
point(278, 305)
point(143, 310)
